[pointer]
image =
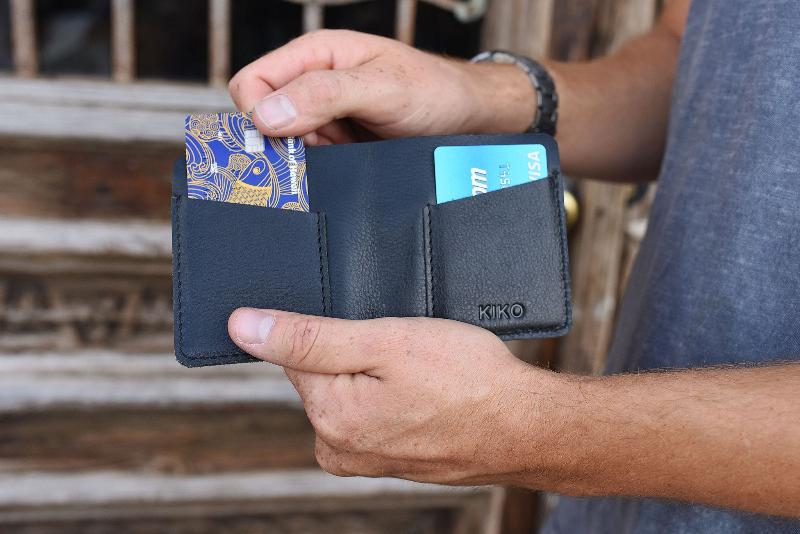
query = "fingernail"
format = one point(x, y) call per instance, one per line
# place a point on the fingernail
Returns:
point(276, 111)
point(253, 326)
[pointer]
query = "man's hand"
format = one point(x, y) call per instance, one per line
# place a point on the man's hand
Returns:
point(424, 399)
point(386, 89)
point(440, 401)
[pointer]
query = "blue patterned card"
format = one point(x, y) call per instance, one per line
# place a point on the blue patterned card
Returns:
point(229, 160)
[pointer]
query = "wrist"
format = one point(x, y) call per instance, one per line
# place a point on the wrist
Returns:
point(501, 98)
point(561, 447)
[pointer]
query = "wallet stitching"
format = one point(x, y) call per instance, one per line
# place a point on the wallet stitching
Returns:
point(428, 262)
point(178, 268)
point(429, 240)
point(321, 267)
point(554, 187)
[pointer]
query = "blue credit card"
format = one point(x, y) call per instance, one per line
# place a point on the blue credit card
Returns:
point(229, 160)
point(465, 171)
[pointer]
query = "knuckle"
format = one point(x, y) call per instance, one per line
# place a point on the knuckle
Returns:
point(333, 466)
point(322, 33)
point(234, 83)
point(349, 435)
point(324, 87)
point(331, 434)
point(398, 338)
point(328, 461)
point(326, 427)
point(303, 338)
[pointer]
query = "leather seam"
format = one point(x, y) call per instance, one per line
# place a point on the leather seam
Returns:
point(560, 223)
point(426, 221)
point(320, 225)
point(430, 261)
point(179, 204)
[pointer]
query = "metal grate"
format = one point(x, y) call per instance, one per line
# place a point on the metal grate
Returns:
point(123, 46)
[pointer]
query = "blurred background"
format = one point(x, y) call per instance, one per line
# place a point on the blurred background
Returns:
point(100, 428)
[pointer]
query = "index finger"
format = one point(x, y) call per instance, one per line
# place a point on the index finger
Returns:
point(324, 49)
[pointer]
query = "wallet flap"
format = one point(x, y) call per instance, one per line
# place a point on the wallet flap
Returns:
point(497, 260)
point(226, 256)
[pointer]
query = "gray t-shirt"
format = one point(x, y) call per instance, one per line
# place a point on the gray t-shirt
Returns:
point(717, 280)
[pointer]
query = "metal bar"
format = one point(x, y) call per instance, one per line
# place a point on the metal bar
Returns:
point(123, 45)
point(313, 16)
point(219, 42)
point(405, 21)
point(23, 37)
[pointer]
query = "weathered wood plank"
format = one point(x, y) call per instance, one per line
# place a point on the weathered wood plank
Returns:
point(94, 110)
point(86, 179)
point(240, 519)
point(109, 488)
point(597, 255)
point(522, 26)
point(574, 22)
point(244, 520)
point(105, 499)
point(204, 440)
point(621, 20)
point(636, 216)
point(104, 378)
point(125, 305)
point(85, 237)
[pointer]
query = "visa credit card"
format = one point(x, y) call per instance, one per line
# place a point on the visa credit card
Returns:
point(465, 171)
point(229, 160)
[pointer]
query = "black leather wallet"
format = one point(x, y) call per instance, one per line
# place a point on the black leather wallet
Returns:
point(374, 244)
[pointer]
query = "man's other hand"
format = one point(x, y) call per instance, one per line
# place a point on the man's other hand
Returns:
point(423, 399)
point(383, 88)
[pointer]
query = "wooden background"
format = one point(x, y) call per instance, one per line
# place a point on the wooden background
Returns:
point(99, 428)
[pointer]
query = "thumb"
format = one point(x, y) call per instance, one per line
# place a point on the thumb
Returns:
point(309, 101)
point(306, 342)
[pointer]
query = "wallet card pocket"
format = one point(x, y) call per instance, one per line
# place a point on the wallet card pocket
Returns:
point(227, 256)
point(498, 260)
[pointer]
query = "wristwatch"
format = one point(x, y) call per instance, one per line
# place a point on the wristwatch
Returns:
point(546, 96)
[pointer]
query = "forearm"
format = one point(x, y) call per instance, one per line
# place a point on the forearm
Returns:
point(612, 111)
point(727, 437)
